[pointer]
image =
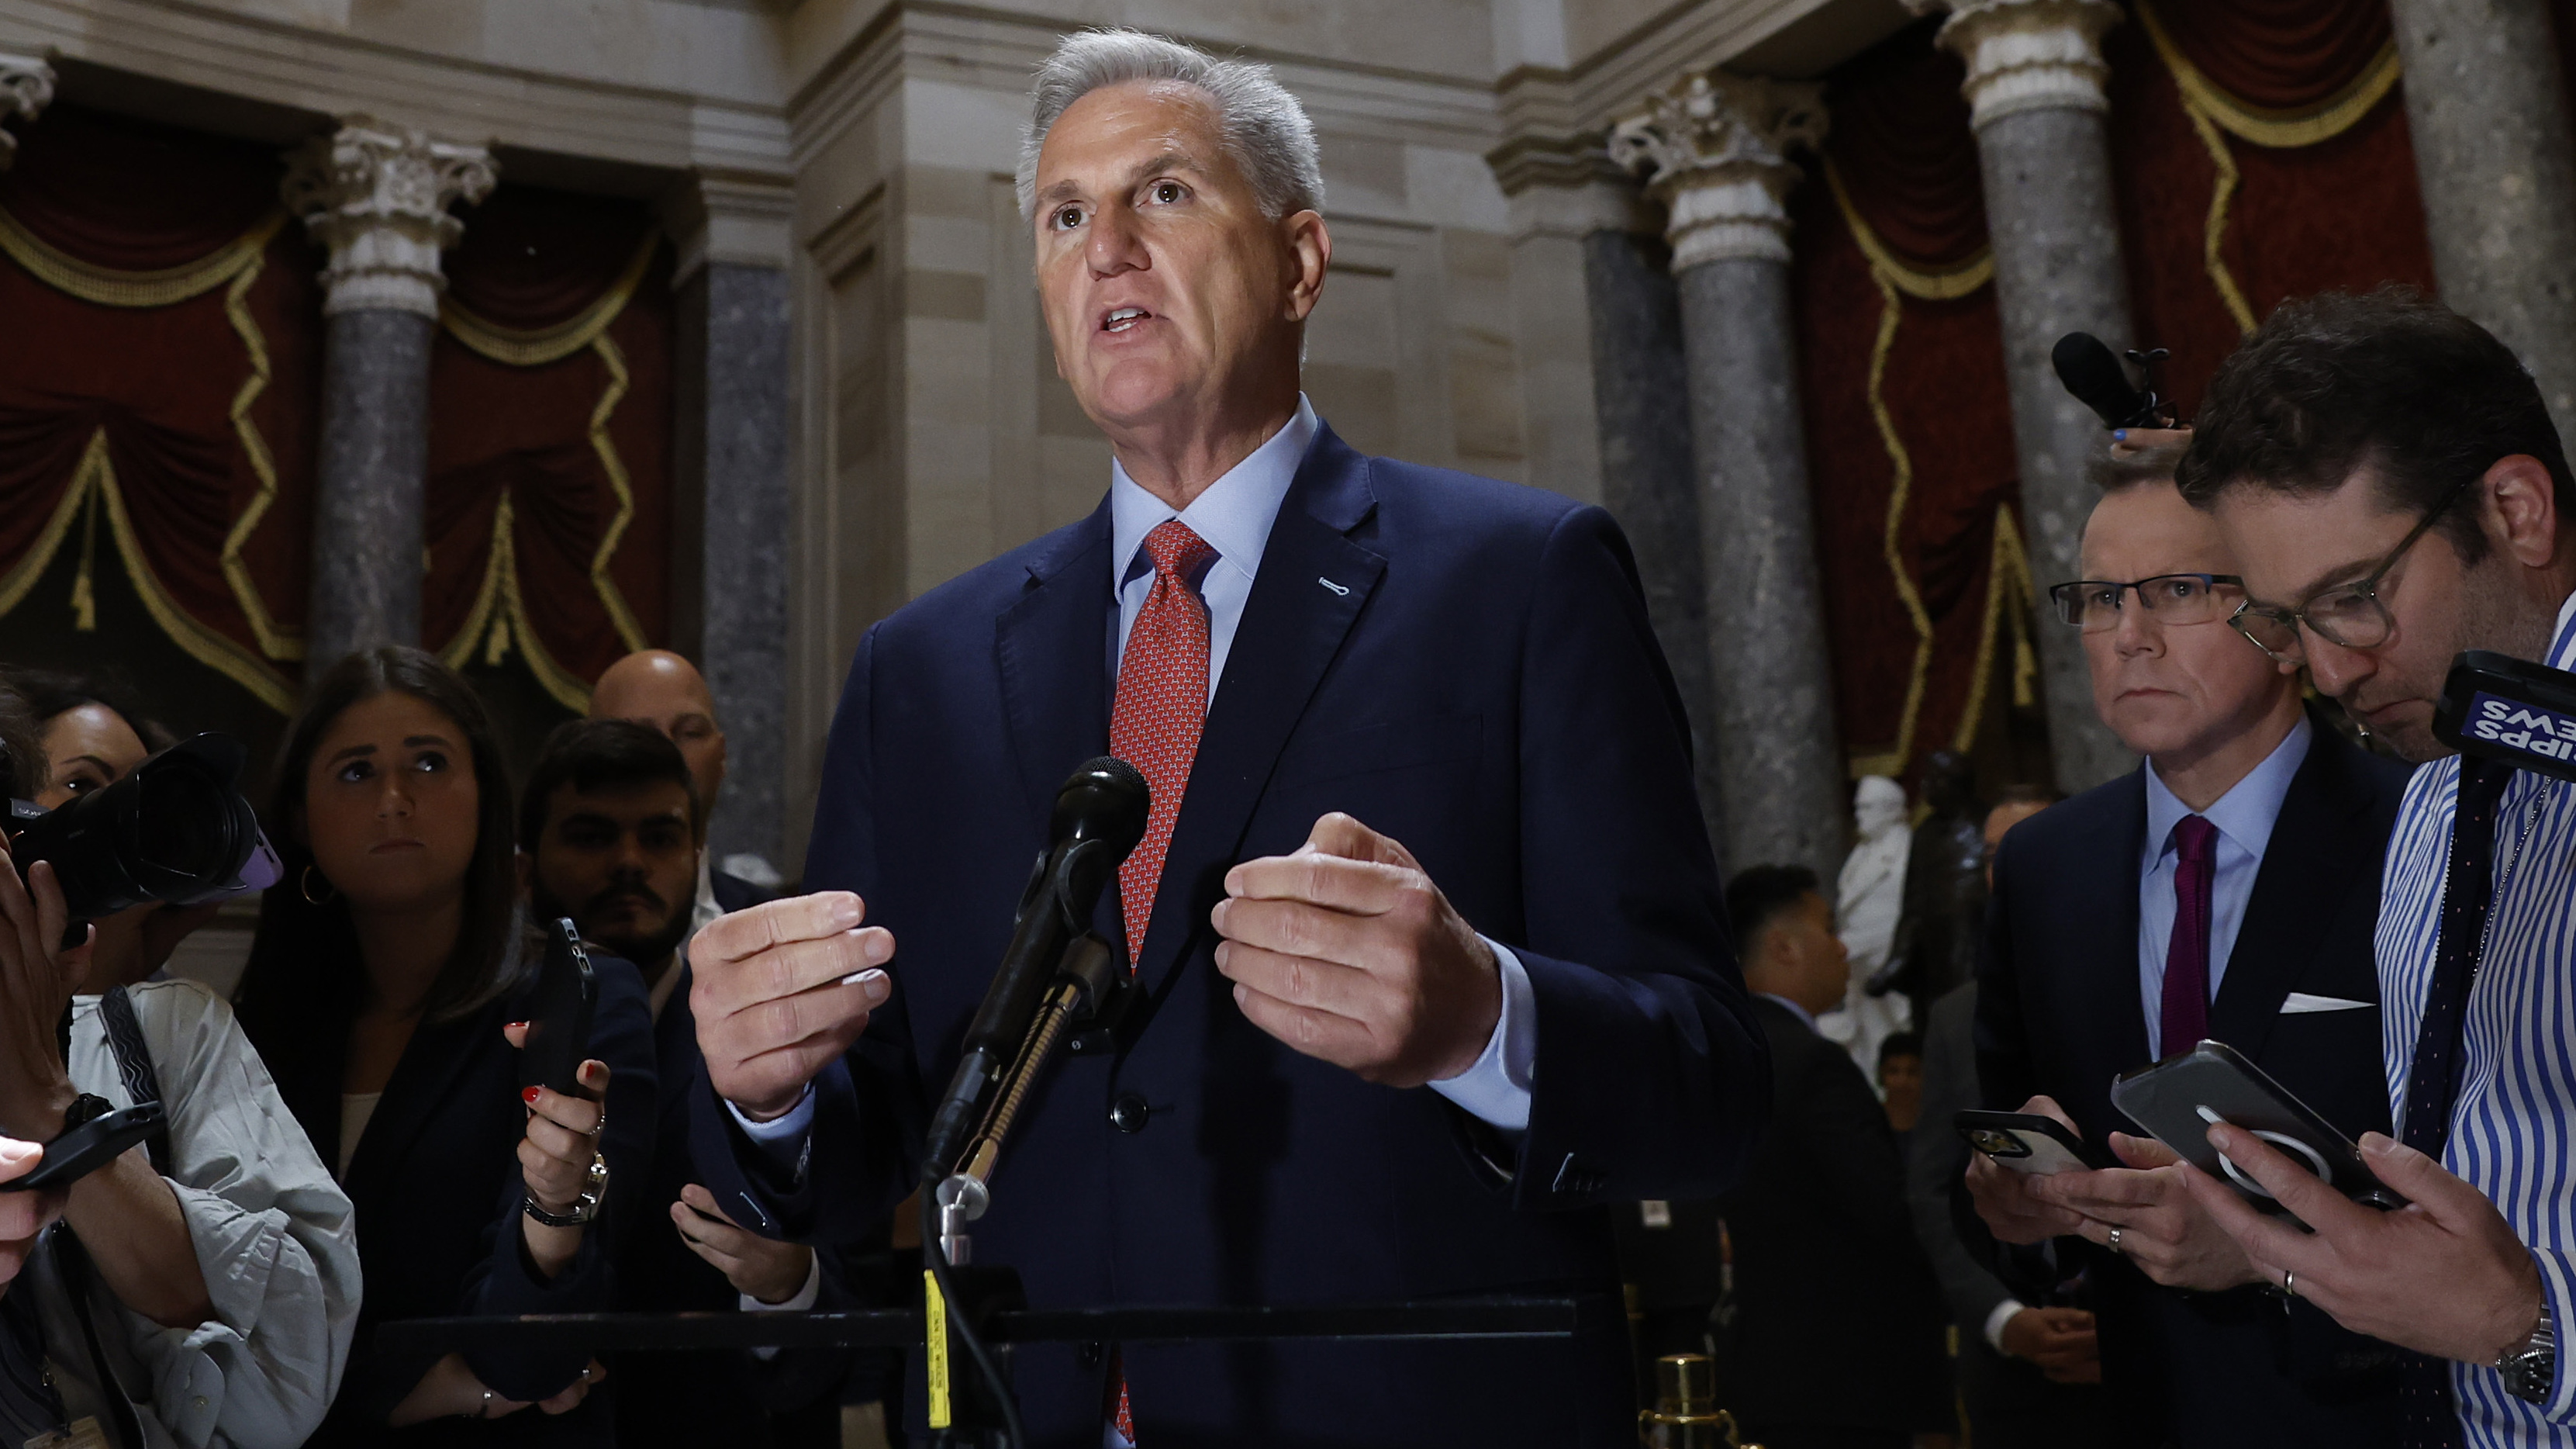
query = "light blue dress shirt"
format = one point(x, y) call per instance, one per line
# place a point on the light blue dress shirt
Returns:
point(2244, 817)
point(1233, 516)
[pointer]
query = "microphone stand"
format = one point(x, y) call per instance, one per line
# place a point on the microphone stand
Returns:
point(1086, 977)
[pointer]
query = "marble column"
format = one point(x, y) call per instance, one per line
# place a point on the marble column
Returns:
point(2497, 167)
point(376, 195)
point(2034, 90)
point(26, 88)
point(730, 506)
point(1714, 149)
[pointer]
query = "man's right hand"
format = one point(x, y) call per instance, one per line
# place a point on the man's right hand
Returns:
point(2059, 1341)
point(2004, 1198)
point(780, 990)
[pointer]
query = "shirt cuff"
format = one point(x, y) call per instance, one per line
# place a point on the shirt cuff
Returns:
point(801, 1301)
point(780, 1136)
point(1996, 1320)
point(1496, 1090)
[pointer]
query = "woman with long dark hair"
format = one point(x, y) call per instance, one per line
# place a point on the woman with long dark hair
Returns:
point(388, 989)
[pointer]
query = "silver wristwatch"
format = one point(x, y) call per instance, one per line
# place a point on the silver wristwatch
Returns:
point(2531, 1366)
point(594, 1189)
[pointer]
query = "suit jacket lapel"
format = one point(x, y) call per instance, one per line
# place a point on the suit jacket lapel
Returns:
point(2315, 855)
point(2113, 937)
point(1052, 649)
point(422, 1083)
point(1311, 586)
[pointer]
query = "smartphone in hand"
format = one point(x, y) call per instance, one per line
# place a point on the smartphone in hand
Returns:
point(559, 1014)
point(2023, 1142)
point(90, 1146)
point(2179, 1099)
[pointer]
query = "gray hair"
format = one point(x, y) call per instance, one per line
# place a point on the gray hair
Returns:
point(1263, 127)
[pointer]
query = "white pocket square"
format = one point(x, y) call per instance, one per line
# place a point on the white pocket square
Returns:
point(2299, 1001)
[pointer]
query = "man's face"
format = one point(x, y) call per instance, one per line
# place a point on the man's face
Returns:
point(1164, 285)
point(623, 864)
point(2291, 547)
point(2170, 689)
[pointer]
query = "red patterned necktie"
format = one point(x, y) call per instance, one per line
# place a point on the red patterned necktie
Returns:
point(1162, 702)
point(2185, 1018)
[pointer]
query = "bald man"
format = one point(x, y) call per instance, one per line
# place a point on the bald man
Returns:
point(658, 688)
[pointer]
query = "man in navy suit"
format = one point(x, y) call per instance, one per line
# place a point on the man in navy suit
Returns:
point(1422, 819)
point(2226, 889)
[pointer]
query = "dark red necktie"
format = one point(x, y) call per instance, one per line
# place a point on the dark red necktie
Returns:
point(1162, 702)
point(2185, 1018)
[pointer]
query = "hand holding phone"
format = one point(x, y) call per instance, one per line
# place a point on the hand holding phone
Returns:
point(2179, 1099)
point(2023, 1142)
point(559, 1013)
point(88, 1147)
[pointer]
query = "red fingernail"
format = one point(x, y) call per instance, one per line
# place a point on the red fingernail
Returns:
point(530, 1095)
point(519, 1025)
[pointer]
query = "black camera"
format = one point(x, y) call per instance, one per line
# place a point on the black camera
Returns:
point(176, 830)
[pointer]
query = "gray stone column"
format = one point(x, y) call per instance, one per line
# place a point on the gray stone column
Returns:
point(730, 513)
point(2034, 90)
point(2497, 168)
point(26, 88)
point(377, 196)
point(1714, 148)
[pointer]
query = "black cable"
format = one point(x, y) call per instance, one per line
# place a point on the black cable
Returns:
point(960, 1323)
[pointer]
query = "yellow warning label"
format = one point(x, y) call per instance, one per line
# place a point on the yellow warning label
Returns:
point(934, 1318)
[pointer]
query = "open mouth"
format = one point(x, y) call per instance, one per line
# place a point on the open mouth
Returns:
point(1123, 319)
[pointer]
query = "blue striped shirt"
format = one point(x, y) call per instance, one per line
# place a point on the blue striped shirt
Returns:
point(2513, 1127)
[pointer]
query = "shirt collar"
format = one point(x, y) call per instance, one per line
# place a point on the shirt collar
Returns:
point(1800, 1012)
point(2562, 640)
point(2246, 813)
point(1234, 514)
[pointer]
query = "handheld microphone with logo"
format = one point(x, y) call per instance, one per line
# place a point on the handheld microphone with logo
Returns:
point(2093, 377)
point(2498, 707)
point(1099, 816)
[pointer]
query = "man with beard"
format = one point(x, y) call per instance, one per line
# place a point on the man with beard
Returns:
point(610, 833)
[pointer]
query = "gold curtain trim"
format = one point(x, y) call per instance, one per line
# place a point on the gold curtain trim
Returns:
point(97, 473)
point(610, 596)
point(276, 640)
point(500, 614)
point(535, 347)
point(107, 287)
point(1946, 284)
point(2262, 125)
point(2009, 595)
point(2212, 111)
point(1900, 489)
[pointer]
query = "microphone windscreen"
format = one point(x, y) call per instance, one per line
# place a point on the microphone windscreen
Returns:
point(2093, 377)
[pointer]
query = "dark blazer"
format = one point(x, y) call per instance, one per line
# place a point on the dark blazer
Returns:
point(2058, 1012)
point(437, 1189)
point(1838, 1322)
point(1460, 663)
point(728, 1397)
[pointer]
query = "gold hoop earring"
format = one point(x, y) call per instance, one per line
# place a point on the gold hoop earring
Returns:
point(305, 882)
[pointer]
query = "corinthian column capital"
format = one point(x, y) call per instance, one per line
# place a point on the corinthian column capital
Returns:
point(376, 194)
point(1715, 147)
point(2027, 55)
point(26, 86)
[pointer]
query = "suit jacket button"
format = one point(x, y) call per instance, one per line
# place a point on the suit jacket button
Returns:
point(1129, 1113)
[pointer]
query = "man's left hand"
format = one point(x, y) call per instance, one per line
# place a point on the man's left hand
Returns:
point(2442, 1275)
point(2162, 1228)
point(1347, 952)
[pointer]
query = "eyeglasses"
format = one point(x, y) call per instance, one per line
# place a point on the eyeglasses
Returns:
point(2348, 615)
point(2093, 605)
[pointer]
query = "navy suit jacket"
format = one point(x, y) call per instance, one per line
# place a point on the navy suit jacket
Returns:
point(2058, 1012)
point(1462, 664)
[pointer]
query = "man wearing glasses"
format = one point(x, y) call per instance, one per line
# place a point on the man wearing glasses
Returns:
point(2396, 493)
point(2227, 888)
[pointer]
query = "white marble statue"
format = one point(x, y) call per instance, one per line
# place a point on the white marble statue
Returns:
point(1866, 902)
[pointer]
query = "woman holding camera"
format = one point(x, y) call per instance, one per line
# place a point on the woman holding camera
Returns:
point(389, 989)
point(201, 1288)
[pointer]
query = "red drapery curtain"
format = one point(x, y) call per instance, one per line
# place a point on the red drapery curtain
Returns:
point(1908, 682)
point(551, 402)
point(2341, 212)
point(160, 342)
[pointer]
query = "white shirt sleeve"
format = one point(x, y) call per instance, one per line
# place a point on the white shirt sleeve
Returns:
point(1996, 1320)
point(782, 1135)
point(1496, 1090)
point(272, 1231)
point(800, 1301)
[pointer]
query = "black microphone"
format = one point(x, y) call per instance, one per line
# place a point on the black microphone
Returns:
point(2093, 376)
point(1099, 816)
point(2501, 708)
